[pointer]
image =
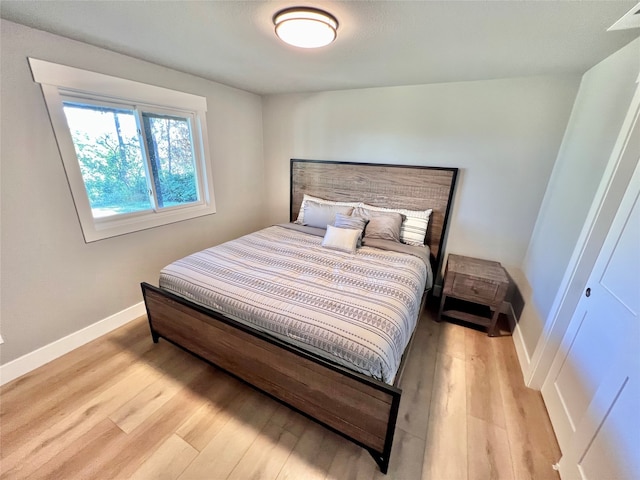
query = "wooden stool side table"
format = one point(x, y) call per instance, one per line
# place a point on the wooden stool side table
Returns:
point(475, 282)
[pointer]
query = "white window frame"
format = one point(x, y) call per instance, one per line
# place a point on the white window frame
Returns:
point(62, 83)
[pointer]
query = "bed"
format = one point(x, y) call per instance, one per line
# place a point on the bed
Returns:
point(356, 391)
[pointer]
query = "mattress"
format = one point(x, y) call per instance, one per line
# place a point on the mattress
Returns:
point(358, 310)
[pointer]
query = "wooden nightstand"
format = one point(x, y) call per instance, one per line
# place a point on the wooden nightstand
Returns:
point(473, 291)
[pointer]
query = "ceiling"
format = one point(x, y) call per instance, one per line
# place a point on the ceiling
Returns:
point(380, 43)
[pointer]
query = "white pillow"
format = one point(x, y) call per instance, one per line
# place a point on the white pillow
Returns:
point(343, 239)
point(414, 226)
point(307, 198)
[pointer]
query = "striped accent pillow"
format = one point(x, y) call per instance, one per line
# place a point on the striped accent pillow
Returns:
point(309, 198)
point(414, 227)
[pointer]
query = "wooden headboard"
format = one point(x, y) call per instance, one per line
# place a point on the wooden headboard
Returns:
point(394, 186)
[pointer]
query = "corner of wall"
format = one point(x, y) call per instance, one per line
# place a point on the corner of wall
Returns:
point(522, 311)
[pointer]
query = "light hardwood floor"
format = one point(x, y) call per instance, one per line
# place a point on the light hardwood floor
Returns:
point(123, 407)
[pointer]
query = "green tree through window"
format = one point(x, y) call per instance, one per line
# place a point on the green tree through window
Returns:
point(115, 171)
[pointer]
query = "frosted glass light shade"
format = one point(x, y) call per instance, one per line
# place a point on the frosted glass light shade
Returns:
point(305, 27)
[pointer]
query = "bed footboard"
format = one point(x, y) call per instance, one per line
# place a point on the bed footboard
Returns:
point(358, 407)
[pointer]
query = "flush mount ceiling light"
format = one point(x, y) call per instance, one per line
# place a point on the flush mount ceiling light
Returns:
point(305, 27)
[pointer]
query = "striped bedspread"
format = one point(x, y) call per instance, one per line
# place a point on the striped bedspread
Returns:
point(356, 310)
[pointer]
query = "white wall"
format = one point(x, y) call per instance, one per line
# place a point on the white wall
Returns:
point(504, 135)
point(53, 283)
point(601, 104)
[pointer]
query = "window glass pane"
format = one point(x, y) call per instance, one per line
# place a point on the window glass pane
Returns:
point(172, 160)
point(108, 150)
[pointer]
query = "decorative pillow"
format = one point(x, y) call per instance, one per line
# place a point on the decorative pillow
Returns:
point(414, 227)
point(384, 225)
point(342, 239)
point(320, 215)
point(307, 198)
point(354, 223)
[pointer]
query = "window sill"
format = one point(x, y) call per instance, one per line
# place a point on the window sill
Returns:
point(98, 230)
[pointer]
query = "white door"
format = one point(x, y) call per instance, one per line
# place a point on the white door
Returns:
point(592, 391)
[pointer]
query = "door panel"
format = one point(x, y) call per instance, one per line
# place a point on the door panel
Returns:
point(606, 445)
point(607, 457)
point(621, 270)
point(591, 391)
point(588, 359)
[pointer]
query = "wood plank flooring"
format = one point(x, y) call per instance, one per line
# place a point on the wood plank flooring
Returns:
point(122, 407)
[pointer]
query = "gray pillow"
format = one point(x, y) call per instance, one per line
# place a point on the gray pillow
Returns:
point(384, 225)
point(351, 222)
point(320, 215)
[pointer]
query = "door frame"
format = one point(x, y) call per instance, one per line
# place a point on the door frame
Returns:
point(611, 189)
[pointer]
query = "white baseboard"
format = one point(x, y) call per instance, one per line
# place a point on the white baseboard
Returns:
point(18, 367)
point(527, 315)
point(523, 354)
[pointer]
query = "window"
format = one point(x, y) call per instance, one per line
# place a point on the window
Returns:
point(118, 176)
point(135, 155)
